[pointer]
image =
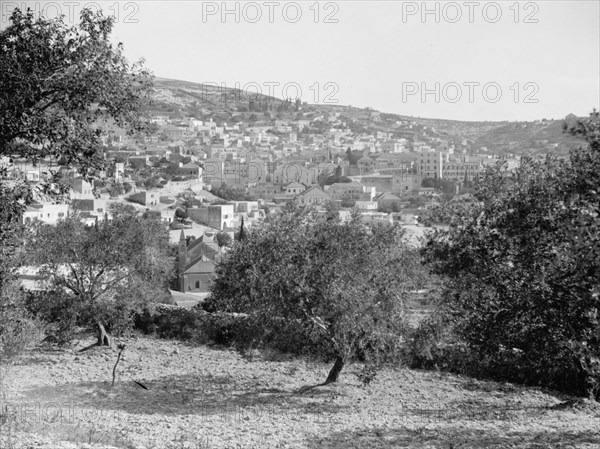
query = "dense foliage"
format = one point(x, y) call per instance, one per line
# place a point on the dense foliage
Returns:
point(449, 211)
point(524, 270)
point(102, 274)
point(62, 87)
point(345, 284)
point(229, 193)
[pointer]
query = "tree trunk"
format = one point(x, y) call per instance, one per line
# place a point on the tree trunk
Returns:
point(103, 337)
point(335, 370)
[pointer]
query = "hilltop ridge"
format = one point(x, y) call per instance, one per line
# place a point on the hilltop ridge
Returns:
point(178, 99)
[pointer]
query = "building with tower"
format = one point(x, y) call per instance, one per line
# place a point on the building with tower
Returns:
point(196, 263)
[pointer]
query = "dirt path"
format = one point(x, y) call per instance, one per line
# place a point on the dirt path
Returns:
point(198, 397)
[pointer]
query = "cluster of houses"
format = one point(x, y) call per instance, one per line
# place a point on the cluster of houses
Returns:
point(274, 162)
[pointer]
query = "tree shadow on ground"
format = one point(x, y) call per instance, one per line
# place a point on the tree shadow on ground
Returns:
point(453, 437)
point(473, 411)
point(507, 389)
point(207, 396)
point(32, 359)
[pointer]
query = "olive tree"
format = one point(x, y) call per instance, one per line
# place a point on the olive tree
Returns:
point(63, 89)
point(108, 271)
point(346, 282)
point(523, 269)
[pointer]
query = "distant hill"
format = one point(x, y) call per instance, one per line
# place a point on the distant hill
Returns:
point(183, 99)
point(179, 99)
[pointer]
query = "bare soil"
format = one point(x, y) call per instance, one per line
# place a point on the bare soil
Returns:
point(199, 397)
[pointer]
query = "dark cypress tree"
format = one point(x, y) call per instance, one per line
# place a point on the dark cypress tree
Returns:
point(242, 233)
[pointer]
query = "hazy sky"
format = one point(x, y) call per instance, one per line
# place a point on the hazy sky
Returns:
point(475, 60)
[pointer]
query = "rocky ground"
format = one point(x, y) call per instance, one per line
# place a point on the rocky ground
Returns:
point(198, 397)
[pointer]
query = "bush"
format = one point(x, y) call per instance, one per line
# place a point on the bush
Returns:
point(169, 321)
point(18, 328)
point(523, 270)
point(60, 311)
point(227, 329)
point(433, 345)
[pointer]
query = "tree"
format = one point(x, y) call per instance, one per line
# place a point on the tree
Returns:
point(228, 193)
point(448, 188)
point(344, 282)
point(349, 156)
point(123, 211)
point(16, 324)
point(452, 211)
point(190, 202)
point(223, 239)
point(60, 86)
point(523, 269)
point(242, 232)
point(323, 177)
point(152, 182)
point(348, 201)
point(108, 271)
point(181, 215)
point(116, 190)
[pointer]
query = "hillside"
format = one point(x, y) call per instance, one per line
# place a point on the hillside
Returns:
point(198, 397)
point(182, 98)
point(179, 99)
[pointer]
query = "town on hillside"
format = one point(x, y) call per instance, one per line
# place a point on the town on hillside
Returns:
point(336, 225)
point(201, 177)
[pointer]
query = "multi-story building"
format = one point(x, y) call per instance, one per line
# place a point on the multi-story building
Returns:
point(404, 183)
point(462, 170)
point(430, 164)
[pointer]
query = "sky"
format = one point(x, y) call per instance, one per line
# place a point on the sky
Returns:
point(463, 60)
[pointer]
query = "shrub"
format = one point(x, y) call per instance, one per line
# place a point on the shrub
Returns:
point(229, 329)
point(18, 328)
point(523, 270)
point(59, 311)
point(433, 344)
point(169, 321)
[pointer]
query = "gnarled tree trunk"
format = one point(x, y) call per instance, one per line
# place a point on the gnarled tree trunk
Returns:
point(103, 337)
point(334, 374)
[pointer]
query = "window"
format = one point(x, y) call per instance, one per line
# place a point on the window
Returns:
point(197, 284)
